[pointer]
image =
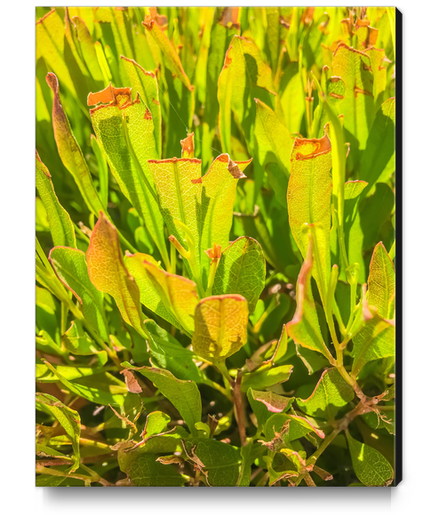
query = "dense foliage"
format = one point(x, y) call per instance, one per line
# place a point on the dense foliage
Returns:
point(215, 245)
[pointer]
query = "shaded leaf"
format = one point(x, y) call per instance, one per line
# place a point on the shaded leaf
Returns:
point(145, 470)
point(371, 467)
point(265, 404)
point(266, 376)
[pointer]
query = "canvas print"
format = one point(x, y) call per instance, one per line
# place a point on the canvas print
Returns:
point(215, 246)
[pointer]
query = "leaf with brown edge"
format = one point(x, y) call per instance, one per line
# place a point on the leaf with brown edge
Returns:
point(127, 155)
point(60, 223)
point(175, 180)
point(132, 383)
point(188, 146)
point(304, 328)
point(220, 326)
point(184, 395)
point(70, 153)
point(178, 294)
point(148, 294)
point(264, 404)
point(215, 197)
point(145, 83)
point(109, 275)
point(244, 76)
point(381, 282)
point(309, 202)
point(111, 95)
point(172, 60)
point(357, 104)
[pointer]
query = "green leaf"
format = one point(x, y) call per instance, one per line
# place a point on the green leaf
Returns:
point(378, 159)
point(273, 144)
point(101, 388)
point(145, 470)
point(219, 462)
point(127, 147)
point(291, 427)
point(244, 76)
point(145, 83)
point(184, 395)
point(331, 393)
point(60, 224)
point(87, 49)
point(309, 202)
point(77, 341)
point(220, 326)
point(68, 418)
point(374, 341)
point(156, 423)
point(43, 480)
point(381, 282)
point(70, 266)
point(357, 104)
point(266, 376)
point(178, 294)
point(171, 58)
point(109, 275)
point(304, 328)
point(241, 270)
point(216, 197)
point(264, 404)
point(371, 467)
point(149, 294)
point(175, 181)
point(166, 352)
point(70, 153)
point(45, 374)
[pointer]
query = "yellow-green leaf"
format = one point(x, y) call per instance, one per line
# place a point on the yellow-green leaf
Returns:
point(60, 224)
point(304, 328)
point(109, 275)
point(70, 152)
point(220, 326)
point(309, 202)
point(381, 282)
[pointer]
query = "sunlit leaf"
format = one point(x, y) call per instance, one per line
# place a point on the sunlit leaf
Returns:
point(108, 273)
point(241, 270)
point(381, 282)
point(220, 326)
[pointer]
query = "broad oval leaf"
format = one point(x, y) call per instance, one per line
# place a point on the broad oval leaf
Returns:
point(381, 282)
point(220, 326)
point(241, 270)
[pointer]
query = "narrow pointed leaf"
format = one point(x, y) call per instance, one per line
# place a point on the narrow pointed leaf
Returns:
point(304, 328)
point(109, 275)
point(70, 266)
point(370, 466)
point(77, 341)
point(172, 60)
point(60, 224)
point(309, 202)
point(70, 153)
point(88, 49)
point(244, 77)
point(184, 395)
point(145, 83)
point(241, 270)
point(220, 326)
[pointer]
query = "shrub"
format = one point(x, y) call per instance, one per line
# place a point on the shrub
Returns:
point(221, 312)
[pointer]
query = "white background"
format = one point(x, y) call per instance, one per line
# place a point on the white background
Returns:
point(17, 308)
